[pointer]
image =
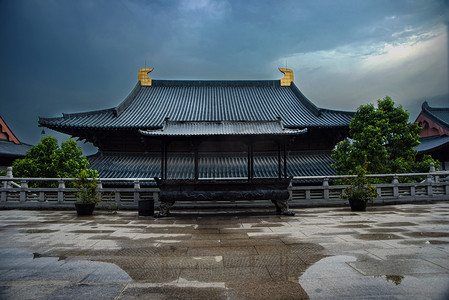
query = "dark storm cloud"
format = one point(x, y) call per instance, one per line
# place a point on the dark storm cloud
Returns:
point(70, 56)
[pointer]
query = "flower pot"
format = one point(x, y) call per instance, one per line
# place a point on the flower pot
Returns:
point(84, 209)
point(357, 205)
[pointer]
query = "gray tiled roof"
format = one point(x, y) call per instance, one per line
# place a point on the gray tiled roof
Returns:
point(431, 142)
point(148, 106)
point(221, 128)
point(439, 115)
point(211, 165)
point(13, 150)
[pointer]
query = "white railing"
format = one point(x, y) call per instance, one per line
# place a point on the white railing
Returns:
point(125, 193)
point(434, 187)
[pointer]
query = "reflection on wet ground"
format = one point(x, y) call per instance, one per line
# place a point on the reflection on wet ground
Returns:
point(321, 253)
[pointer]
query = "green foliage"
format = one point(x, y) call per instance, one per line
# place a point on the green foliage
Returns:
point(2, 173)
point(359, 189)
point(86, 187)
point(423, 165)
point(38, 161)
point(48, 160)
point(111, 207)
point(384, 136)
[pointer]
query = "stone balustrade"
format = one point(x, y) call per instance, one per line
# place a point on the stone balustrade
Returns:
point(124, 193)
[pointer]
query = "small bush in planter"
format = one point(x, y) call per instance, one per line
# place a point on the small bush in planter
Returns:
point(360, 191)
point(87, 193)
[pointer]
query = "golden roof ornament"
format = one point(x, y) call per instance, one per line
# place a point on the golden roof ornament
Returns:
point(143, 78)
point(288, 77)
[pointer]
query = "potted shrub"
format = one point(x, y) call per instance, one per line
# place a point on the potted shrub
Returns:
point(87, 193)
point(359, 192)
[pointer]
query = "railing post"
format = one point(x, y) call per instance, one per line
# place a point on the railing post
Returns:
point(7, 183)
point(290, 191)
point(117, 197)
point(100, 189)
point(136, 191)
point(23, 190)
point(9, 172)
point(395, 186)
point(61, 188)
point(429, 185)
point(326, 188)
point(446, 188)
point(41, 196)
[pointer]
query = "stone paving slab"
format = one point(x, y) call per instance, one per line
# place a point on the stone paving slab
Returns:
point(388, 252)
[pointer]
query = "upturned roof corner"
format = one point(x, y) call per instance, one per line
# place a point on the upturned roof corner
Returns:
point(143, 78)
point(288, 77)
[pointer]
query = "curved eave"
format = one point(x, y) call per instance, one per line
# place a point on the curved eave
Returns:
point(161, 134)
point(432, 143)
point(428, 112)
point(147, 107)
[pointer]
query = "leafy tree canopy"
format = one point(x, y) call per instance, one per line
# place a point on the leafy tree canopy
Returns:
point(382, 136)
point(49, 160)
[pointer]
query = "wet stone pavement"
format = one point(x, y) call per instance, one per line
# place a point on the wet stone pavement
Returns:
point(388, 252)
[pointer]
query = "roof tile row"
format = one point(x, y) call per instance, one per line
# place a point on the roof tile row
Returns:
point(211, 165)
point(204, 101)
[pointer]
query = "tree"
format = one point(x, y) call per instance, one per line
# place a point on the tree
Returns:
point(49, 160)
point(381, 136)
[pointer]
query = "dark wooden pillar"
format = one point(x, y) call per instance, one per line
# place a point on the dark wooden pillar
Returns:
point(250, 161)
point(166, 161)
point(197, 170)
point(285, 160)
point(162, 159)
point(279, 160)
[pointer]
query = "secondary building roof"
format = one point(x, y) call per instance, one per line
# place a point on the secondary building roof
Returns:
point(435, 129)
point(10, 146)
point(13, 150)
point(211, 165)
point(439, 115)
point(176, 128)
point(431, 143)
point(148, 105)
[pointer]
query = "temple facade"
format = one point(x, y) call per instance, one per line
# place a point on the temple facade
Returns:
point(434, 136)
point(177, 129)
point(11, 148)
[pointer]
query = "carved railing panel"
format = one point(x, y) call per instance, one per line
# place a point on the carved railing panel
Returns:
point(126, 193)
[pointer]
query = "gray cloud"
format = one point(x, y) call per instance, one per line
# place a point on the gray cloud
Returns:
point(70, 56)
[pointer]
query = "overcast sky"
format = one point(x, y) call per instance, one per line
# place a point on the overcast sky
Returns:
point(73, 56)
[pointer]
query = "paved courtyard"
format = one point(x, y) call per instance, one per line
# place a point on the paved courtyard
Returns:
point(388, 252)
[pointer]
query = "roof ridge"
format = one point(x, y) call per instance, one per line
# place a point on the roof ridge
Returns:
point(427, 110)
point(128, 100)
point(215, 83)
point(309, 104)
point(82, 114)
point(224, 121)
point(338, 111)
